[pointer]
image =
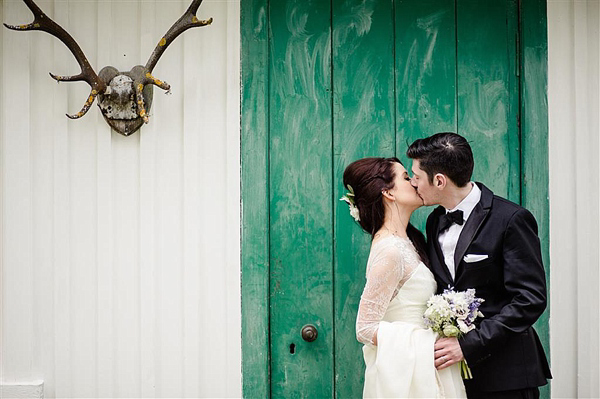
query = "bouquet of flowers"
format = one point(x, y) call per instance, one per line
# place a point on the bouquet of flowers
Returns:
point(451, 314)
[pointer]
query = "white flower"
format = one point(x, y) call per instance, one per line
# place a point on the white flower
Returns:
point(354, 212)
point(349, 199)
point(464, 328)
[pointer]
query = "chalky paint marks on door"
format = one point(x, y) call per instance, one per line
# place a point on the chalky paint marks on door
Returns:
point(488, 92)
point(425, 34)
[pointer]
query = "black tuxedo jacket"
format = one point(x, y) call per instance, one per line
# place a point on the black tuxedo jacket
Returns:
point(504, 351)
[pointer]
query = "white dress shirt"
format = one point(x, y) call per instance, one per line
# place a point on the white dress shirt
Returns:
point(449, 238)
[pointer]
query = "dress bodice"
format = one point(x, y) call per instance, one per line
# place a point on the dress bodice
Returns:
point(397, 289)
point(410, 303)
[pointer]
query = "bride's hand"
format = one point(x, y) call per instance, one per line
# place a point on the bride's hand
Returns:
point(447, 352)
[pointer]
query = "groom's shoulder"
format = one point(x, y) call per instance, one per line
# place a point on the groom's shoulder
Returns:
point(501, 207)
point(506, 209)
point(490, 200)
point(505, 204)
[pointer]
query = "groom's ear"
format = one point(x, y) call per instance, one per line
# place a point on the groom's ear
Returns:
point(439, 181)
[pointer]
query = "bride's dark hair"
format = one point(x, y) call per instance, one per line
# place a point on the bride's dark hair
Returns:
point(368, 177)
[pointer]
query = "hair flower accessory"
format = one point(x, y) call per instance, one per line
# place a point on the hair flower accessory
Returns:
point(349, 199)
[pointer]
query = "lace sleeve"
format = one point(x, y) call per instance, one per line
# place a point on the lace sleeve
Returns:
point(384, 273)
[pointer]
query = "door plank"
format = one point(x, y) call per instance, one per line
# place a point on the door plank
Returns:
point(301, 216)
point(425, 76)
point(255, 205)
point(534, 133)
point(363, 113)
point(488, 92)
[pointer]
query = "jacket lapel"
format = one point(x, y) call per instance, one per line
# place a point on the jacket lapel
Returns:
point(437, 257)
point(471, 228)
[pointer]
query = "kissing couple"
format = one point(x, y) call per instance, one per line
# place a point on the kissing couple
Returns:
point(475, 240)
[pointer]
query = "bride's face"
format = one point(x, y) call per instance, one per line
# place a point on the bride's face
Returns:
point(403, 191)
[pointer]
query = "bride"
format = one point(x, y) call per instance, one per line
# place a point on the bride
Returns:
point(398, 349)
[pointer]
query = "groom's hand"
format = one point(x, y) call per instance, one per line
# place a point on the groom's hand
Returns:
point(447, 352)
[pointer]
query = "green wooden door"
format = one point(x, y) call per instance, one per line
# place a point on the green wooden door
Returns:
point(326, 83)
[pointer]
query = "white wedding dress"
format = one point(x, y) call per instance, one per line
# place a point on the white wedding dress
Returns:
point(401, 365)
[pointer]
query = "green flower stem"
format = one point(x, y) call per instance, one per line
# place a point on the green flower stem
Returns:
point(465, 371)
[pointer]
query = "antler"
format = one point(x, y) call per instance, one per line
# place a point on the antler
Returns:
point(188, 20)
point(43, 23)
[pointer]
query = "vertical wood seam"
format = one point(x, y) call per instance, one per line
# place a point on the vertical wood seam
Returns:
point(268, 192)
point(332, 193)
point(520, 88)
point(395, 81)
point(456, 81)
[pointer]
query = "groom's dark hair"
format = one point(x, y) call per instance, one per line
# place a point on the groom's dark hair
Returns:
point(446, 153)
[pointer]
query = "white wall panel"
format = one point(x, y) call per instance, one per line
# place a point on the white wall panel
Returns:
point(120, 255)
point(574, 120)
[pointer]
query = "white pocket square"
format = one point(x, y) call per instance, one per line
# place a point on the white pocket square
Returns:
point(470, 258)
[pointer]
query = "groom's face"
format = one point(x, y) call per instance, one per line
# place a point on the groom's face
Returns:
point(420, 181)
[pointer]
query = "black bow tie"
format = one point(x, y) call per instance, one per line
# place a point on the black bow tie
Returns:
point(450, 218)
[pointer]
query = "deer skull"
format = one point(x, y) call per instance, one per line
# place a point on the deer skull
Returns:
point(118, 102)
point(123, 97)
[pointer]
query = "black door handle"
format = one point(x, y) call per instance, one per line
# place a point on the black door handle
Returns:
point(309, 333)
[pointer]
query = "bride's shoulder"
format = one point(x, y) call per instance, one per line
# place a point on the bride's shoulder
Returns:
point(392, 246)
point(390, 240)
point(391, 253)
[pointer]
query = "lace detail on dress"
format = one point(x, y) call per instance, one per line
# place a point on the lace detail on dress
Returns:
point(391, 263)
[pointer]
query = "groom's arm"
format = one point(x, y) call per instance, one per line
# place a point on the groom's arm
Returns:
point(525, 283)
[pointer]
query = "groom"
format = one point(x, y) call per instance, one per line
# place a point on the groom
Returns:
point(482, 241)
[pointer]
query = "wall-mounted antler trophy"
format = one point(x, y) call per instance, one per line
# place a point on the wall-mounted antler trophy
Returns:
point(123, 97)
